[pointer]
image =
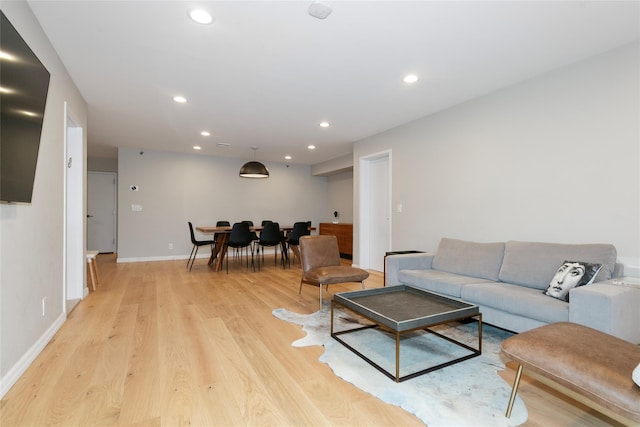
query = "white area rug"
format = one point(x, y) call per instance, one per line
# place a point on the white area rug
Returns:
point(469, 393)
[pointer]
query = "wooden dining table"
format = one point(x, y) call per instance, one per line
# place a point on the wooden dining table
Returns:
point(221, 236)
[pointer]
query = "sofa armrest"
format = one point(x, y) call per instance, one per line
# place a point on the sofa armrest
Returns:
point(395, 263)
point(613, 309)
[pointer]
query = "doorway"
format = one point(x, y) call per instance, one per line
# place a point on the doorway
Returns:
point(101, 212)
point(74, 258)
point(375, 209)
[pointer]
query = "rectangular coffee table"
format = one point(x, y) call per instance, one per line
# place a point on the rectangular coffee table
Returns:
point(403, 309)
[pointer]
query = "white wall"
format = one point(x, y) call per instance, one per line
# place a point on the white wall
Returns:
point(31, 236)
point(101, 164)
point(333, 166)
point(176, 188)
point(555, 158)
point(340, 192)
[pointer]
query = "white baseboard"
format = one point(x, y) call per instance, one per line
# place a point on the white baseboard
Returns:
point(159, 258)
point(12, 376)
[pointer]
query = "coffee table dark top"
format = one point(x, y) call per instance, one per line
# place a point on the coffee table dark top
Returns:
point(404, 308)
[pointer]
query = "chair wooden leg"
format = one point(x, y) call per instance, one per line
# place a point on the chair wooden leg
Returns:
point(253, 265)
point(92, 273)
point(227, 257)
point(320, 308)
point(275, 251)
point(93, 268)
point(93, 281)
point(94, 262)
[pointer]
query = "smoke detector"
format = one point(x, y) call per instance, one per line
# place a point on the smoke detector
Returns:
point(319, 10)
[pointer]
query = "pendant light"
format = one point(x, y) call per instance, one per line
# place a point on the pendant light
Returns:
point(254, 169)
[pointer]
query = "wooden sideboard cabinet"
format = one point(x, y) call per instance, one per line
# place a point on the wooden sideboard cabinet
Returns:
point(344, 233)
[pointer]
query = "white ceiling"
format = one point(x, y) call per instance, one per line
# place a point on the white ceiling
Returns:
point(266, 73)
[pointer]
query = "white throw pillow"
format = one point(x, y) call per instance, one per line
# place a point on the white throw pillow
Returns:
point(636, 375)
point(571, 274)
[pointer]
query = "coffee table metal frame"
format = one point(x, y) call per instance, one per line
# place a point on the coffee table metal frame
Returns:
point(444, 310)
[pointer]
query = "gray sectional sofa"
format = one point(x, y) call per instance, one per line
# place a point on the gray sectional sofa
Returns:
point(507, 281)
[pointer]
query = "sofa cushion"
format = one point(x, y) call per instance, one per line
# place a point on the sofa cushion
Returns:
point(519, 300)
point(441, 282)
point(469, 258)
point(534, 264)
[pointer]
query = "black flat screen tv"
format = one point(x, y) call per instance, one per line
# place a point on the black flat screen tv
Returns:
point(24, 84)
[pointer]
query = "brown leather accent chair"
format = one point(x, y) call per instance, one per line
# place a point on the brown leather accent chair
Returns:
point(320, 260)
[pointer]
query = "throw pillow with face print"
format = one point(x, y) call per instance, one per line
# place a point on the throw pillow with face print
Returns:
point(571, 274)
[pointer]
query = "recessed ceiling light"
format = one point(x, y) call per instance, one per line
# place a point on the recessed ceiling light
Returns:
point(311, 147)
point(411, 78)
point(287, 157)
point(201, 16)
point(324, 124)
point(180, 99)
point(223, 144)
point(7, 56)
point(205, 133)
point(197, 147)
point(319, 10)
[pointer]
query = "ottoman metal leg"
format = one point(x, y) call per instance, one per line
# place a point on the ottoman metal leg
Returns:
point(514, 390)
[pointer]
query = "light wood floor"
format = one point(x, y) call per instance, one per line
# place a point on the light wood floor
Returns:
point(157, 345)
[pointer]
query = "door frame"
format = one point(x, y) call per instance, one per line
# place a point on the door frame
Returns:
point(73, 270)
point(365, 226)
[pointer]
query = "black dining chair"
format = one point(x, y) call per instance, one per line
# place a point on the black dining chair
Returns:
point(218, 236)
point(293, 240)
point(220, 224)
point(254, 235)
point(240, 238)
point(196, 246)
point(271, 236)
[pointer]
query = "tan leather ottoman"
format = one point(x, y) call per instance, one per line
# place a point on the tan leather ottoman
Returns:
point(588, 365)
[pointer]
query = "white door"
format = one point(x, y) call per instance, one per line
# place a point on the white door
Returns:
point(375, 210)
point(101, 212)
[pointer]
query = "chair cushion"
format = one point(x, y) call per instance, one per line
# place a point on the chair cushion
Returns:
point(334, 274)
